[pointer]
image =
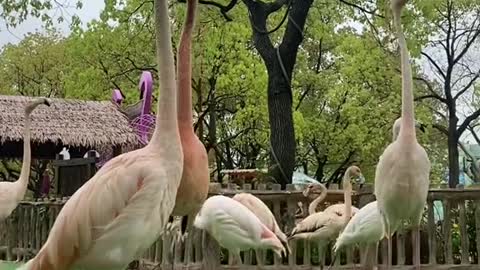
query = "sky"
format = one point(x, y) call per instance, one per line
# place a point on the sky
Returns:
point(91, 10)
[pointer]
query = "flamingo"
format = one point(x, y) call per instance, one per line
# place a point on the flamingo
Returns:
point(323, 227)
point(364, 228)
point(115, 216)
point(263, 213)
point(354, 172)
point(193, 190)
point(11, 193)
point(235, 227)
point(402, 173)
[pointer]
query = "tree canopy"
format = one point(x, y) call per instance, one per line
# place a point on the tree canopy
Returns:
point(345, 83)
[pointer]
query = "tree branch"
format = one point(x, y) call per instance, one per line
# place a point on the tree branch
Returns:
point(467, 122)
point(362, 9)
point(437, 67)
point(469, 84)
point(224, 9)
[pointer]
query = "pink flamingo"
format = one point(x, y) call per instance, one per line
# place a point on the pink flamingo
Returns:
point(114, 217)
point(402, 174)
point(235, 227)
point(193, 190)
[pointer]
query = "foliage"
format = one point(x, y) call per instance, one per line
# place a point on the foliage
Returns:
point(16, 12)
point(346, 82)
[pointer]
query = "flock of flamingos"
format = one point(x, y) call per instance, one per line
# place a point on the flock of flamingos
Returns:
point(115, 216)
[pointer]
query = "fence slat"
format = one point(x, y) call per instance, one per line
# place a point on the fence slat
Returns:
point(447, 231)
point(463, 232)
point(432, 229)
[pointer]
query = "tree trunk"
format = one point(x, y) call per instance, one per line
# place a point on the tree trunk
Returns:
point(282, 134)
point(454, 168)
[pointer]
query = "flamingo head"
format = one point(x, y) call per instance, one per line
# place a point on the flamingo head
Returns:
point(356, 174)
point(311, 188)
point(274, 244)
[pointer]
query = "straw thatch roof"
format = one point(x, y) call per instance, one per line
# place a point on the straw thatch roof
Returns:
point(76, 123)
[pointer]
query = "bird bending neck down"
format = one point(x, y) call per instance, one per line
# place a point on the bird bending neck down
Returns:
point(235, 227)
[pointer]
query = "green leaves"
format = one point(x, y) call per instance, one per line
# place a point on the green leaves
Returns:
point(15, 12)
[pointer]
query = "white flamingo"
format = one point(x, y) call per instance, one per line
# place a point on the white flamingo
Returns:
point(323, 227)
point(366, 227)
point(402, 174)
point(11, 193)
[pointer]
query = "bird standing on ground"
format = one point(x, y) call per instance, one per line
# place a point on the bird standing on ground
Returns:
point(193, 190)
point(235, 227)
point(11, 193)
point(366, 227)
point(115, 216)
point(402, 173)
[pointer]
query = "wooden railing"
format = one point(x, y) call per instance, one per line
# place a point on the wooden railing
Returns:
point(449, 243)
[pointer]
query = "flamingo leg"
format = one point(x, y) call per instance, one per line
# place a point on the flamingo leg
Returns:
point(364, 255)
point(416, 248)
point(259, 258)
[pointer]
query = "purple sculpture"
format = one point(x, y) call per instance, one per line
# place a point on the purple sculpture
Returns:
point(145, 121)
point(117, 97)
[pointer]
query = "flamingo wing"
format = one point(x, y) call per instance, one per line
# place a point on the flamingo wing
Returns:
point(112, 207)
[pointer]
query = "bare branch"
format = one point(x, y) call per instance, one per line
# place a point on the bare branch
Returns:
point(362, 9)
point(224, 9)
point(437, 67)
point(469, 84)
point(467, 122)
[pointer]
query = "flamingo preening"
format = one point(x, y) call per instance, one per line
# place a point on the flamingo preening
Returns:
point(11, 193)
point(193, 190)
point(323, 227)
point(402, 173)
point(261, 210)
point(235, 227)
point(115, 216)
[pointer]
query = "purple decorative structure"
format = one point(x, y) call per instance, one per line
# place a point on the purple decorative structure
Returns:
point(145, 122)
point(117, 97)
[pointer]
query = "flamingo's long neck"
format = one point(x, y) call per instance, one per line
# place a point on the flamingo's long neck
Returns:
point(347, 195)
point(313, 205)
point(184, 72)
point(408, 123)
point(27, 158)
point(166, 126)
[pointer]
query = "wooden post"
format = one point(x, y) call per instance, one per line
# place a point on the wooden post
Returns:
point(447, 231)
point(463, 233)
point(432, 228)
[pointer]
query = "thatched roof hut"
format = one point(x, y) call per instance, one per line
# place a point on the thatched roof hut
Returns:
point(80, 125)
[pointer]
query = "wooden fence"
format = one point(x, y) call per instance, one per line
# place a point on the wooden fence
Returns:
point(453, 242)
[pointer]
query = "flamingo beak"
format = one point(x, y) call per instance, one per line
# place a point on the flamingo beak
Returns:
point(360, 179)
point(286, 250)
